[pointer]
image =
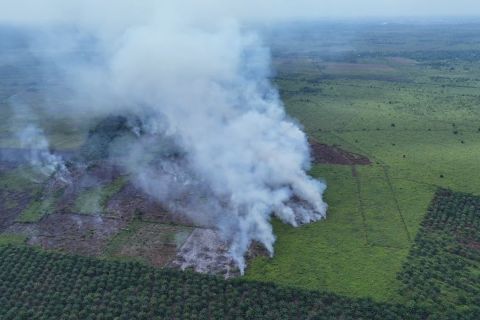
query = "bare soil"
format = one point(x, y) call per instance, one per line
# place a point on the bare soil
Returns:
point(402, 61)
point(157, 243)
point(132, 202)
point(256, 250)
point(357, 67)
point(323, 153)
point(473, 245)
point(160, 237)
point(12, 203)
point(86, 234)
point(79, 234)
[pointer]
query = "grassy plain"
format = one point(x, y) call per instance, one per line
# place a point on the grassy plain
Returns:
point(414, 111)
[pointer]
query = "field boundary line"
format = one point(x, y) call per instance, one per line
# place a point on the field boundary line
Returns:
point(384, 167)
point(360, 203)
point(397, 204)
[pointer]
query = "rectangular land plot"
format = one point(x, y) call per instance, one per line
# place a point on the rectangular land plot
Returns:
point(332, 254)
point(383, 219)
point(154, 243)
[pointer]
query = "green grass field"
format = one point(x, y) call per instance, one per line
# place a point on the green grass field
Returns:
point(417, 122)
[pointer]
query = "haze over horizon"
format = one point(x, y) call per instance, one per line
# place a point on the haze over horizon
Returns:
point(48, 11)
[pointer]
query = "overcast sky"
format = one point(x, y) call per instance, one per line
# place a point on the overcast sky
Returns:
point(361, 8)
point(22, 11)
point(355, 8)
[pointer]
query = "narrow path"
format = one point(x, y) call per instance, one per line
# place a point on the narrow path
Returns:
point(360, 203)
point(397, 204)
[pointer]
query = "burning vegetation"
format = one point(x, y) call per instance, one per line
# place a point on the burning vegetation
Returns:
point(91, 199)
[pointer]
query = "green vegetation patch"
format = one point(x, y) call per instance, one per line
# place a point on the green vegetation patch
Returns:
point(154, 243)
point(40, 207)
point(345, 252)
point(9, 238)
point(443, 268)
point(94, 200)
point(384, 221)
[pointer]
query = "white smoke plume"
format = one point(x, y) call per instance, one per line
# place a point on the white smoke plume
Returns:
point(30, 137)
point(40, 157)
point(201, 82)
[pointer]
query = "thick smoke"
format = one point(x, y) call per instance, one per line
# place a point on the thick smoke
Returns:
point(31, 137)
point(212, 137)
point(40, 157)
